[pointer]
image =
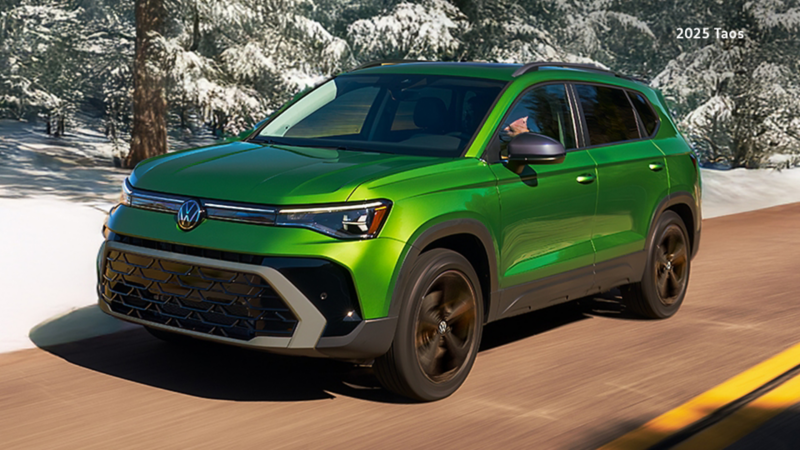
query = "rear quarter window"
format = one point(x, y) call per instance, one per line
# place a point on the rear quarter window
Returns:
point(608, 114)
point(645, 110)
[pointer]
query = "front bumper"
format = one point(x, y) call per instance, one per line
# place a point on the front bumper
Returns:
point(372, 263)
point(188, 294)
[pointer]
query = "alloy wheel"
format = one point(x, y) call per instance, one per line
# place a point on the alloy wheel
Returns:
point(671, 258)
point(446, 326)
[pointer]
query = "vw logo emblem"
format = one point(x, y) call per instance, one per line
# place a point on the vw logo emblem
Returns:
point(189, 215)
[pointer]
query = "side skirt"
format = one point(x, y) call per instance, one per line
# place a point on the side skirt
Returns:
point(568, 286)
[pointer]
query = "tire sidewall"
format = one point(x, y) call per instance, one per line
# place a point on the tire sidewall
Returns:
point(425, 270)
point(665, 221)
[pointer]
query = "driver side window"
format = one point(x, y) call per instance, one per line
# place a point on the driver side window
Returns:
point(543, 110)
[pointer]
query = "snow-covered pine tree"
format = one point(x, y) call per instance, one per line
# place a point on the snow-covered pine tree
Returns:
point(739, 98)
point(428, 29)
point(506, 31)
point(57, 58)
point(229, 63)
point(606, 31)
point(42, 53)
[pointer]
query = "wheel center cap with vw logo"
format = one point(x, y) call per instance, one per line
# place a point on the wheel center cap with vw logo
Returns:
point(190, 215)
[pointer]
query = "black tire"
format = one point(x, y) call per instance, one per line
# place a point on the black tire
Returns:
point(172, 338)
point(428, 360)
point(660, 293)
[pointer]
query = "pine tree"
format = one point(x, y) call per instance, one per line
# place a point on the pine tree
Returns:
point(149, 135)
point(225, 64)
point(425, 30)
point(738, 98)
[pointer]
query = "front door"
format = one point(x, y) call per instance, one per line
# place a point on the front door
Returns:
point(546, 211)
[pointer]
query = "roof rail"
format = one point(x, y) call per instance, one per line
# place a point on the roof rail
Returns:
point(534, 66)
point(388, 62)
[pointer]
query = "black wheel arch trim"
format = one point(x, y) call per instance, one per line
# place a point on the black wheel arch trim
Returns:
point(679, 198)
point(373, 337)
point(370, 339)
point(438, 231)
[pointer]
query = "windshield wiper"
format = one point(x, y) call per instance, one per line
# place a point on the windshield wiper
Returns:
point(356, 149)
point(268, 141)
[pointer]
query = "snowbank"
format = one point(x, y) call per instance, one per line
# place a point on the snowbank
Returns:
point(739, 190)
point(47, 270)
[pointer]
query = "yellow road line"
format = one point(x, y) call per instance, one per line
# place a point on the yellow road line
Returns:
point(704, 404)
point(747, 419)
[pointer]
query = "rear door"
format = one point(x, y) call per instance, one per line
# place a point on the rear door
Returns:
point(632, 175)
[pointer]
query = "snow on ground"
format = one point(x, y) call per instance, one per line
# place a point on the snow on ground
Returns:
point(739, 190)
point(54, 194)
point(47, 268)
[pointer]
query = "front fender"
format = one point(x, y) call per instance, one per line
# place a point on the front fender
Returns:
point(431, 232)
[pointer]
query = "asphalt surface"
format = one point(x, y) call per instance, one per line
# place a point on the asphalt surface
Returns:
point(565, 377)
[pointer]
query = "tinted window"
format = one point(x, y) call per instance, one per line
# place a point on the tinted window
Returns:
point(543, 110)
point(649, 119)
point(608, 114)
point(411, 114)
point(404, 118)
point(344, 115)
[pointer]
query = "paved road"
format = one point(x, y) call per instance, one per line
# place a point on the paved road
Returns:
point(558, 378)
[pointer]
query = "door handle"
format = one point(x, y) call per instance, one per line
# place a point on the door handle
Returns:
point(655, 167)
point(586, 178)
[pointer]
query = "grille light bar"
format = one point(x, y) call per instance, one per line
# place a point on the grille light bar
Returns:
point(345, 221)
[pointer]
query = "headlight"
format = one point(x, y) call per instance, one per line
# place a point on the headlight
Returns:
point(344, 221)
point(146, 200)
point(126, 197)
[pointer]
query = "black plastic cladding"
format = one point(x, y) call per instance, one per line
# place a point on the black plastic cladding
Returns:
point(326, 284)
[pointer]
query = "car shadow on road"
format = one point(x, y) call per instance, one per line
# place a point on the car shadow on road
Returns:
point(517, 328)
point(218, 372)
point(609, 305)
point(221, 372)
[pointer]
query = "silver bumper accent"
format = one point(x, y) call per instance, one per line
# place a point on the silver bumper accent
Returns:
point(311, 322)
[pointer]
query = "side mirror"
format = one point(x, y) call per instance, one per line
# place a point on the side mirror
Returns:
point(532, 148)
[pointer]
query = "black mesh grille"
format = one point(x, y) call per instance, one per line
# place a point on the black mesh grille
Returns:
point(214, 301)
point(312, 276)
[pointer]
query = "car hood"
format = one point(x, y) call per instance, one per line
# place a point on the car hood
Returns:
point(268, 174)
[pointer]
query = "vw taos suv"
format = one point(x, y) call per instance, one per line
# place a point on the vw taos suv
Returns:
point(392, 211)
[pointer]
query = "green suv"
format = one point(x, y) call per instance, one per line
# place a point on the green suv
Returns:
point(392, 211)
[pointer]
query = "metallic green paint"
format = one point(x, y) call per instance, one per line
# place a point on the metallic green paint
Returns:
point(546, 217)
point(252, 173)
point(542, 222)
point(629, 192)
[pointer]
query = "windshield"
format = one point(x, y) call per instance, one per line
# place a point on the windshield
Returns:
point(427, 115)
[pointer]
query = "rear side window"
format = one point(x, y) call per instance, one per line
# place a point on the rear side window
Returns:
point(646, 113)
point(608, 114)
